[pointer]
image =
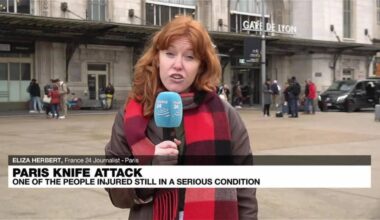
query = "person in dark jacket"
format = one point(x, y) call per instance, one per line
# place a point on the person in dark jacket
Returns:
point(35, 95)
point(181, 58)
point(294, 91)
point(47, 88)
point(109, 91)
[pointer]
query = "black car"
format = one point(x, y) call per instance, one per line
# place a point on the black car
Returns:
point(351, 95)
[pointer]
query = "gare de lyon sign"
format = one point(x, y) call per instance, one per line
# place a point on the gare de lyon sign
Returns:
point(252, 46)
point(270, 27)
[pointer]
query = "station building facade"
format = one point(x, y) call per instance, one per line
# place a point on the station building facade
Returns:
point(90, 43)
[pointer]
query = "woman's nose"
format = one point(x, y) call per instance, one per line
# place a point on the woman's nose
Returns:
point(177, 63)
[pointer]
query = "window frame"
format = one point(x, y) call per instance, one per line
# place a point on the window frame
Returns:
point(96, 5)
point(157, 6)
point(250, 16)
point(347, 19)
point(16, 7)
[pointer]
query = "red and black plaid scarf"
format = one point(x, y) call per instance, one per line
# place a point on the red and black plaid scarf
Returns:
point(207, 132)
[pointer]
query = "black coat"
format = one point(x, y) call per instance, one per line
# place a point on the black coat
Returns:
point(34, 90)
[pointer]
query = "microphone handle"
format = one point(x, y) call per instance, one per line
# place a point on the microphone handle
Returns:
point(169, 134)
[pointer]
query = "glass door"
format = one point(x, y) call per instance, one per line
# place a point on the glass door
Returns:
point(97, 82)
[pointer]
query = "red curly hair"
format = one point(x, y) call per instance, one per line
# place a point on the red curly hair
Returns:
point(147, 83)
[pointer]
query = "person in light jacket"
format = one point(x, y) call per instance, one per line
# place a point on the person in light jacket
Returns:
point(267, 98)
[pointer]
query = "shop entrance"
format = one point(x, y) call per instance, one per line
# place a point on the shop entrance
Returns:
point(96, 83)
point(97, 79)
point(249, 79)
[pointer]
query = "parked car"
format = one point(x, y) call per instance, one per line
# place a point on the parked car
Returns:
point(351, 95)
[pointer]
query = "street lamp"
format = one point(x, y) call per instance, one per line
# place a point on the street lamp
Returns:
point(263, 60)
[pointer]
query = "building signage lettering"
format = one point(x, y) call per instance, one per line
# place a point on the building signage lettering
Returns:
point(270, 27)
point(252, 50)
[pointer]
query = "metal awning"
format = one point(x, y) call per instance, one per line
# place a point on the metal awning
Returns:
point(29, 28)
point(16, 27)
point(289, 45)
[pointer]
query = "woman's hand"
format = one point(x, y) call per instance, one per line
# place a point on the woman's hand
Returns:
point(166, 153)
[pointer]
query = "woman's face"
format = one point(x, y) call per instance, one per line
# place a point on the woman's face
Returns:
point(178, 66)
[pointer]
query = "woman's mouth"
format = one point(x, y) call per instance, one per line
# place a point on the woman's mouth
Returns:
point(177, 77)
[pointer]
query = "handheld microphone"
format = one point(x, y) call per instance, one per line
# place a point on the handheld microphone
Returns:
point(168, 112)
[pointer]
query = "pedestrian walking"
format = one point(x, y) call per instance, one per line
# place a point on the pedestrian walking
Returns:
point(63, 91)
point(46, 99)
point(312, 95)
point(267, 98)
point(306, 109)
point(294, 91)
point(35, 94)
point(55, 101)
point(275, 93)
point(237, 95)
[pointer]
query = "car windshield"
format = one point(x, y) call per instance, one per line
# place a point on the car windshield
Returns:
point(341, 86)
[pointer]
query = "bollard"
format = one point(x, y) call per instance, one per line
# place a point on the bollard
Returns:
point(377, 113)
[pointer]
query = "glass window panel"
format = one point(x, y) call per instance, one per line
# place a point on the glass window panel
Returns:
point(349, 6)
point(14, 73)
point(149, 17)
point(189, 2)
point(11, 6)
point(4, 91)
point(347, 10)
point(89, 10)
point(164, 14)
point(97, 67)
point(174, 12)
point(3, 71)
point(188, 12)
point(102, 10)
point(14, 91)
point(161, 14)
point(3, 5)
point(95, 10)
point(23, 6)
point(233, 23)
point(25, 71)
point(24, 96)
point(91, 82)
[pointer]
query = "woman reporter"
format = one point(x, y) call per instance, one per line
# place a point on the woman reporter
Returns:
point(181, 58)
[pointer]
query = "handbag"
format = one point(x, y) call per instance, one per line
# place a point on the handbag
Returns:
point(46, 99)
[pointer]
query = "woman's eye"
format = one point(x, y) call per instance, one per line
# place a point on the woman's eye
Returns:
point(169, 54)
point(189, 57)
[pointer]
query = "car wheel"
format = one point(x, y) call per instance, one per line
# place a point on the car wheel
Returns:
point(350, 106)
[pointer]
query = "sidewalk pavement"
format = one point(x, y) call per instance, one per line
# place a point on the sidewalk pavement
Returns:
point(331, 133)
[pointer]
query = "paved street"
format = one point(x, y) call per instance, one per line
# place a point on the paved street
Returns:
point(331, 133)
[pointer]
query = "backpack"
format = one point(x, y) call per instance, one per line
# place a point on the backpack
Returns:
point(274, 88)
point(296, 89)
